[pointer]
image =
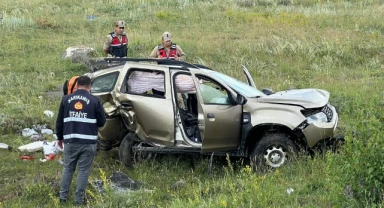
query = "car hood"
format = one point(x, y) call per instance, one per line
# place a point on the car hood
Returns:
point(308, 98)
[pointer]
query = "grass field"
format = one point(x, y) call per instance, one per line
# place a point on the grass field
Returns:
point(336, 45)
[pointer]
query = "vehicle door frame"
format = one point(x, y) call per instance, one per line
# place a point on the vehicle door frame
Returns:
point(218, 144)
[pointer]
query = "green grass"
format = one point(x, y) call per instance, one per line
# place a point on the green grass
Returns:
point(336, 45)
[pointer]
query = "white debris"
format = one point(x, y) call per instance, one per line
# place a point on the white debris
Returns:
point(36, 137)
point(290, 191)
point(46, 131)
point(32, 147)
point(5, 146)
point(27, 132)
point(50, 148)
point(49, 113)
point(38, 127)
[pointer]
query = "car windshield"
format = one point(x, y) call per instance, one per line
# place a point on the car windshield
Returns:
point(238, 86)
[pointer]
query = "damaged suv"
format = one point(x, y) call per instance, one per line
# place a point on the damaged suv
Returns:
point(166, 106)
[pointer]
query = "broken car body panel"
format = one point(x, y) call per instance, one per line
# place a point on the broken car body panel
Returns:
point(308, 98)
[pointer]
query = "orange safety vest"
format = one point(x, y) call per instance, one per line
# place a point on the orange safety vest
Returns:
point(72, 85)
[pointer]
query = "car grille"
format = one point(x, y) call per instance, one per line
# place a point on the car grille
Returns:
point(328, 111)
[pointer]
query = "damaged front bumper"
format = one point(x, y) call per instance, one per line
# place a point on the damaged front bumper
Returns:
point(318, 131)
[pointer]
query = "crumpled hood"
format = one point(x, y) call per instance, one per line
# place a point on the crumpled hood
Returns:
point(308, 98)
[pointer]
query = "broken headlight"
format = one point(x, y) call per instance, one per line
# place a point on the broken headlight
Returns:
point(318, 117)
point(323, 114)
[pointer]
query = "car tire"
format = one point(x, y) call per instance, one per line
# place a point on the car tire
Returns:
point(125, 150)
point(273, 151)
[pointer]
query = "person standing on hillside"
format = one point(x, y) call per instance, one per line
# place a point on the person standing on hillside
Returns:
point(116, 43)
point(80, 115)
point(167, 49)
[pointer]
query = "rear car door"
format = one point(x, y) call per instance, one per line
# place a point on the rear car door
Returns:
point(219, 116)
point(147, 92)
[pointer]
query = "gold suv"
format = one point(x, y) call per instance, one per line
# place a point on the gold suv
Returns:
point(165, 106)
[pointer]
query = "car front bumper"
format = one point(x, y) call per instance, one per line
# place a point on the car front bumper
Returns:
point(318, 131)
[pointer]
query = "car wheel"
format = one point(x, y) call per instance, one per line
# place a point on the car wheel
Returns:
point(125, 150)
point(273, 150)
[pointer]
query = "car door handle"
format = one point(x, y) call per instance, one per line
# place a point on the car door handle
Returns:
point(210, 115)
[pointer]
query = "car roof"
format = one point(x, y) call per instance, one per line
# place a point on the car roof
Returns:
point(160, 62)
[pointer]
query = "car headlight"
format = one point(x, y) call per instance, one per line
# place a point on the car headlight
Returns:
point(318, 117)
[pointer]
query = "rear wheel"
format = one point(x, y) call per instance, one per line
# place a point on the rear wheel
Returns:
point(273, 150)
point(125, 150)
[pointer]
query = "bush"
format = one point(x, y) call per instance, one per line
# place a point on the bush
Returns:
point(360, 167)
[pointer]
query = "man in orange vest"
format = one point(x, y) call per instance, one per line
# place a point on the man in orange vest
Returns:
point(116, 43)
point(70, 85)
point(167, 49)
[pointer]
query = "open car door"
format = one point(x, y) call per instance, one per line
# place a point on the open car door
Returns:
point(219, 116)
point(249, 77)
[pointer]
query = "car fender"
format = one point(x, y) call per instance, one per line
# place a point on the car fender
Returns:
point(285, 115)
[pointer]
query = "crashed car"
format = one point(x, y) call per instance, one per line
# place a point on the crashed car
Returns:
point(165, 106)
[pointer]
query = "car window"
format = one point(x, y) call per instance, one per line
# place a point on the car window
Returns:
point(146, 82)
point(104, 83)
point(238, 86)
point(212, 92)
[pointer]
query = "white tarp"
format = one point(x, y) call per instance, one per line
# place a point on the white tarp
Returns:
point(185, 84)
point(141, 82)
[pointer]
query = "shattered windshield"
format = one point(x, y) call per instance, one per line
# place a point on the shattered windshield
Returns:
point(238, 86)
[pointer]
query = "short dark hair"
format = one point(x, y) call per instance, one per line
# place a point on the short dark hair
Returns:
point(84, 81)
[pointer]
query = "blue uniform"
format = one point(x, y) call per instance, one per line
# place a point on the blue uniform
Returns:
point(80, 115)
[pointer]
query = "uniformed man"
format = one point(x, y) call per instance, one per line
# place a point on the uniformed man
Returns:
point(80, 115)
point(167, 49)
point(116, 43)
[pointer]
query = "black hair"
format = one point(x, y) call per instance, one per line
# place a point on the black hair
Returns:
point(84, 81)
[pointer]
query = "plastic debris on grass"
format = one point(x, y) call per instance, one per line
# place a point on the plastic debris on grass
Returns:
point(290, 191)
point(27, 132)
point(5, 146)
point(49, 113)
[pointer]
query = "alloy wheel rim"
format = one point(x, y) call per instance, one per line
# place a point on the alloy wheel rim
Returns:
point(275, 156)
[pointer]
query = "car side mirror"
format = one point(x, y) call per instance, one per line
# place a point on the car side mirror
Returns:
point(240, 100)
point(267, 91)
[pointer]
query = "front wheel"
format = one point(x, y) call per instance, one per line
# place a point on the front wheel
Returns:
point(273, 150)
point(125, 150)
